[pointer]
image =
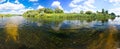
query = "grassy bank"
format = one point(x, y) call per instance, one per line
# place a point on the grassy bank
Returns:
point(60, 17)
point(9, 15)
point(76, 16)
point(5, 15)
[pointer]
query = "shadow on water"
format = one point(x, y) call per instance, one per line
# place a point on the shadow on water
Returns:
point(34, 33)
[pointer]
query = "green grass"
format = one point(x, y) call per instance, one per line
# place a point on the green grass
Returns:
point(9, 15)
point(5, 15)
point(70, 16)
point(57, 17)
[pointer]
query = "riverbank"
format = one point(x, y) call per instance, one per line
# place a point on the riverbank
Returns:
point(9, 15)
point(70, 16)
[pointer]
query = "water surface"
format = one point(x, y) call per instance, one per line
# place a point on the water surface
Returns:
point(18, 32)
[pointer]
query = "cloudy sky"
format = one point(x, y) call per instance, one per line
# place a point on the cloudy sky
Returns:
point(20, 6)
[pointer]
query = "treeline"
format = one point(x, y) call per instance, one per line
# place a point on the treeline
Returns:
point(104, 12)
point(58, 13)
point(9, 15)
point(42, 12)
point(5, 15)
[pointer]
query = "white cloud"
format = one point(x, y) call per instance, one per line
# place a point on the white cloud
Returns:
point(89, 3)
point(85, 5)
point(74, 3)
point(39, 7)
point(16, 1)
point(56, 4)
point(15, 11)
point(115, 10)
point(11, 8)
point(2, 1)
point(33, 0)
point(114, 0)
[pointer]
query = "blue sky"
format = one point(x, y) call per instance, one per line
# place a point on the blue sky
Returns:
point(69, 6)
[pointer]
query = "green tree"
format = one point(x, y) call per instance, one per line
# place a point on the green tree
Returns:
point(48, 10)
point(106, 12)
point(31, 13)
point(112, 14)
point(41, 10)
point(57, 10)
point(88, 12)
point(97, 11)
point(103, 11)
point(81, 12)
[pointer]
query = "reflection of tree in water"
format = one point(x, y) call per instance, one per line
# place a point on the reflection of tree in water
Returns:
point(106, 40)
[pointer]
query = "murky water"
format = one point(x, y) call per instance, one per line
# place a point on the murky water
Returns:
point(28, 33)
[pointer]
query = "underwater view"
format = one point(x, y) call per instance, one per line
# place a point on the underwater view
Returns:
point(17, 32)
point(59, 24)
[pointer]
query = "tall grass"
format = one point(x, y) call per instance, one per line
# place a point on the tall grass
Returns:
point(58, 17)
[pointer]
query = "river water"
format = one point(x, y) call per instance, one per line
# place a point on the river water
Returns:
point(17, 32)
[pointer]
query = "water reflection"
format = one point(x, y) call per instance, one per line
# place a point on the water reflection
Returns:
point(93, 35)
point(77, 24)
point(116, 21)
point(34, 21)
point(35, 33)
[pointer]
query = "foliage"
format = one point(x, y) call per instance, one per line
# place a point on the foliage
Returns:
point(88, 12)
point(60, 17)
point(7, 15)
point(41, 10)
point(49, 14)
point(31, 13)
point(103, 11)
point(48, 10)
point(106, 12)
point(81, 12)
point(57, 10)
point(112, 14)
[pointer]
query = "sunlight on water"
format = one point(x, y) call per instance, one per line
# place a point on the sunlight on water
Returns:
point(106, 40)
point(11, 28)
point(110, 41)
point(116, 21)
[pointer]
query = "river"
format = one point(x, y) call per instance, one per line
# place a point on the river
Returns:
point(17, 32)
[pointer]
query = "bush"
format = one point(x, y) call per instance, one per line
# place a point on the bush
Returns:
point(88, 12)
point(31, 13)
point(57, 10)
